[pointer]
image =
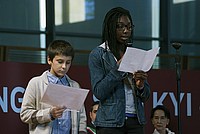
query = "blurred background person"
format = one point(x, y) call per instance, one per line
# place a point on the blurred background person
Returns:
point(160, 117)
point(91, 129)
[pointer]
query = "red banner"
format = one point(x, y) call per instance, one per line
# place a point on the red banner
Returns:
point(15, 76)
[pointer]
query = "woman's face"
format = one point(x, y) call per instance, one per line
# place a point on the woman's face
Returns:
point(124, 28)
point(159, 120)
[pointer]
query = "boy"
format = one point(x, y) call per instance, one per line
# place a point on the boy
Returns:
point(43, 118)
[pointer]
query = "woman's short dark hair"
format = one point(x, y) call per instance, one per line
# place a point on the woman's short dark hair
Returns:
point(163, 108)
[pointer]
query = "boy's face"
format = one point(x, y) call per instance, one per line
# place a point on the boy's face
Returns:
point(60, 65)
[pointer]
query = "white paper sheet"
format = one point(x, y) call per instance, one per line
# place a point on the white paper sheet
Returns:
point(137, 59)
point(70, 97)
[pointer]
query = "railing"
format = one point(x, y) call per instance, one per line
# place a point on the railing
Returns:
point(38, 55)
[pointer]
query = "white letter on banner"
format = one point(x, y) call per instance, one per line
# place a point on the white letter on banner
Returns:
point(4, 101)
point(174, 101)
point(189, 104)
point(12, 99)
point(155, 98)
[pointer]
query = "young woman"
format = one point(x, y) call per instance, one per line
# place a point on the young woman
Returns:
point(122, 95)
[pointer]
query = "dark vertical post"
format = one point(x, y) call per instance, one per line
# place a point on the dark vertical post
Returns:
point(178, 79)
point(50, 21)
point(164, 29)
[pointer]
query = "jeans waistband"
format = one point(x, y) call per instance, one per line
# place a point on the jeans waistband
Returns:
point(131, 115)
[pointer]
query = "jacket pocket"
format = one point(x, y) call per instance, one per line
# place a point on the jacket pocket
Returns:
point(108, 112)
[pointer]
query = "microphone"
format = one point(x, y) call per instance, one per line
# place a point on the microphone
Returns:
point(128, 44)
point(176, 45)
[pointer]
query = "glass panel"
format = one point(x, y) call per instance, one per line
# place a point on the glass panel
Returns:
point(194, 63)
point(96, 10)
point(80, 43)
point(27, 40)
point(184, 20)
point(82, 46)
point(19, 14)
point(33, 56)
point(146, 45)
point(187, 49)
point(81, 59)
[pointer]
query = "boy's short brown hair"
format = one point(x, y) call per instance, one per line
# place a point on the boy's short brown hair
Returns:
point(60, 47)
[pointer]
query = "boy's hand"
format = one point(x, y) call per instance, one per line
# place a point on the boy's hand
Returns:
point(56, 112)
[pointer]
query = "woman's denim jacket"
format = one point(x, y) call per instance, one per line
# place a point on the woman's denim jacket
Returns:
point(107, 85)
